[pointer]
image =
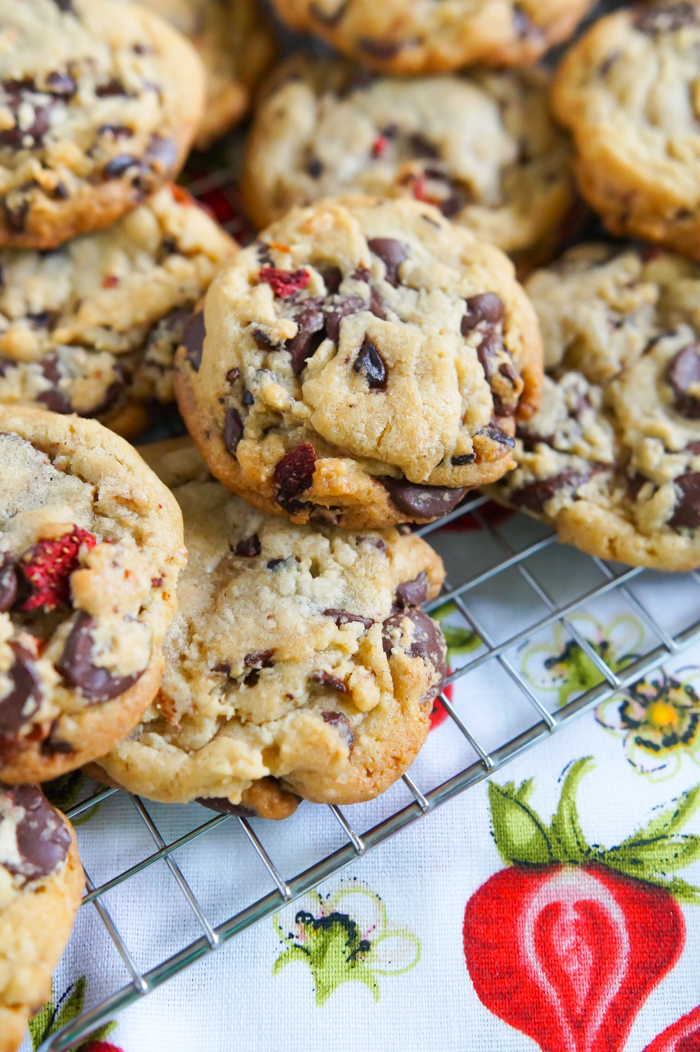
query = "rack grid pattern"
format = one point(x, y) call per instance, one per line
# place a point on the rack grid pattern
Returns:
point(425, 799)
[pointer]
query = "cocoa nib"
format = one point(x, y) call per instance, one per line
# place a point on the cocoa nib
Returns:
point(24, 700)
point(340, 721)
point(370, 364)
point(485, 306)
point(233, 430)
point(76, 667)
point(427, 642)
point(342, 617)
point(683, 373)
point(413, 593)
point(687, 509)
point(294, 473)
point(392, 253)
point(422, 502)
point(249, 548)
point(193, 339)
point(325, 679)
point(43, 839)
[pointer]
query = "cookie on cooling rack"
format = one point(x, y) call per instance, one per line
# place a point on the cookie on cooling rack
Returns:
point(411, 36)
point(236, 46)
point(41, 884)
point(326, 128)
point(612, 459)
point(628, 93)
point(298, 653)
point(361, 364)
point(92, 327)
point(99, 103)
point(90, 549)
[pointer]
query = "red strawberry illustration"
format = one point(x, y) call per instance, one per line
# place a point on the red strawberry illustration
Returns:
point(567, 943)
point(681, 1036)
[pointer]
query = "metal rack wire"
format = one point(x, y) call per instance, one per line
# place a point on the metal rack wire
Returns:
point(611, 580)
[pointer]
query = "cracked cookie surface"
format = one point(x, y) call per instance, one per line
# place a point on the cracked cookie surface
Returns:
point(41, 885)
point(482, 148)
point(298, 653)
point(361, 364)
point(612, 459)
point(90, 549)
point(92, 327)
point(628, 93)
point(99, 103)
point(412, 36)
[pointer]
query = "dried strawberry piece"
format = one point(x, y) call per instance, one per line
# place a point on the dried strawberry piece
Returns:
point(284, 283)
point(48, 564)
point(294, 473)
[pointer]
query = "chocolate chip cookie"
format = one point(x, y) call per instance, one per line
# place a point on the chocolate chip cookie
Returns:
point(628, 93)
point(236, 46)
point(298, 653)
point(41, 884)
point(612, 459)
point(90, 549)
point(482, 148)
point(361, 364)
point(99, 103)
point(92, 327)
point(412, 36)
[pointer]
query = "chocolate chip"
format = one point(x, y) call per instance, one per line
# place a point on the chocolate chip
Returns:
point(332, 276)
point(687, 509)
point(55, 401)
point(232, 375)
point(683, 373)
point(462, 459)
point(24, 699)
point(111, 89)
point(274, 564)
point(294, 473)
point(423, 147)
point(315, 168)
point(370, 364)
point(16, 215)
point(61, 84)
point(340, 721)
point(392, 253)
point(325, 679)
point(497, 434)
point(535, 495)
point(422, 502)
point(413, 593)
point(259, 659)
point(225, 807)
point(249, 548)
point(43, 839)
point(233, 430)
point(309, 337)
point(341, 307)
point(263, 342)
point(428, 641)
point(485, 306)
point(248, 398)
point(120, 164)
point(75, 664)
point(342, 617)
point(9, 583)
point(53, 746)
point(665, 18)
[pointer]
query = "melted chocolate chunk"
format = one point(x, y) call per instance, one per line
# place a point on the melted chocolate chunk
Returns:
point(413, 593)
point(486, 306)
point(43, 838)
point(462, 459)
point(233, 430)
point(294, 473)
point(309, 337)
point(536, 494)
point(24, 700)
point(422, 502)
point(325, 679)
point(249, 548)
point(332, 277)
point(342, 617)
point(370, 364)
point(112, 89)
point(428, 641)
point(340, 307)
point(682, 373)
point(225, 807)
point(340, 721)
point(656, 19)
point(76, 667)
point(687, 510)
point(392, 253)
point(193, 338)
point(9, 584)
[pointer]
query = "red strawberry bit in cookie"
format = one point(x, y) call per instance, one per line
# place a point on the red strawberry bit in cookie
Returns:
point(48, 565)
point(284, 283)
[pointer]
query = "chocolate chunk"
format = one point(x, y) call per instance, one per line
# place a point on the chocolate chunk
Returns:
point(76, 667)
point(225, 807)
point(55, 400)
point(687, 510)
point(428, 641)
point(693, 447)
point(232, 375)
point(24, 700)
point(327, 18)
point(535, 495)
point(422, 502)
point(341, 307)
point(392, 253)
point(462, 459)
point(111, 89)
point(61, 84)
point(342, 617)
point(115, 168)
point(263, 342)
point(491, 352)
point(413, 593)
point(294, 473)
point(370, 364)
point(423, 147)
point(249, 548)
point(274, 564)
point(53, 746)
point(387, 49)
point(43, 838)
point(332, 276)
point(485, 306)
point(16, 215)
point(248, 398)
point(315, 168)
point(682, 373)
point(496, 434)
point(9, 583)
point(325, 679)
point(656, 19)
point(233, 430)
point(340, 721)
point(193, 338)
point(309, 337)
point(222, 666)
point(259, 659)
